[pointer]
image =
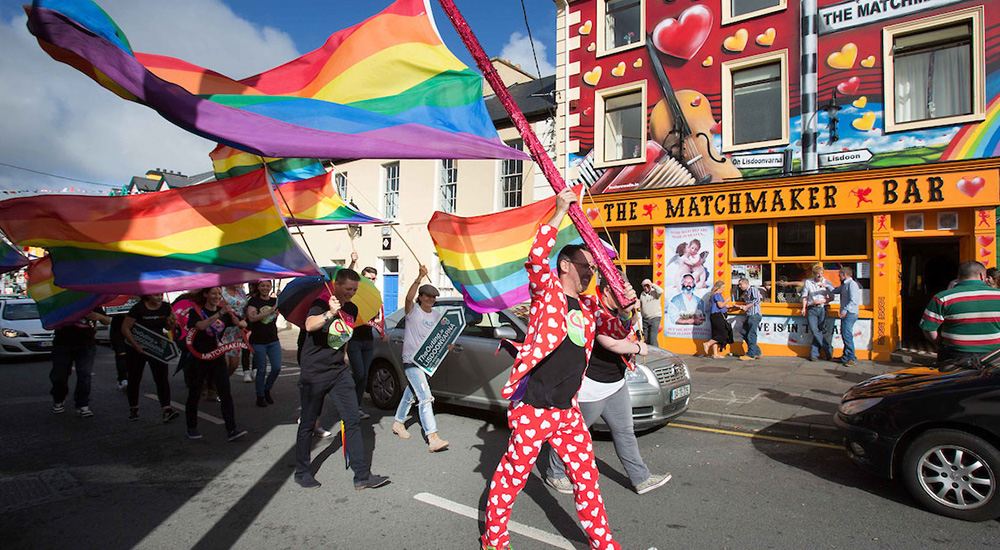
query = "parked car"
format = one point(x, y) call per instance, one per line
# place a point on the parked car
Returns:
point(937, 431)
point(473, 374)
point(21, 332)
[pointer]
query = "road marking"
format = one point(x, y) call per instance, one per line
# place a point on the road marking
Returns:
point(513, 526)
point(178, 406)
point(755, 436)
point(731, 399)
point(25, 400)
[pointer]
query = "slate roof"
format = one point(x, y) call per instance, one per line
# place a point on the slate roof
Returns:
point(536, 99)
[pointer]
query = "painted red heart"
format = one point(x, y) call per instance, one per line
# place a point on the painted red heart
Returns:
point(593, 213)
point(984, 240)
point(720, 254)
point(972, 186)
point(880, 265)
point(849, 86)
point(880, 274)
point(659, 255)
point(720, 273)
point(658, 231)
point(684, 36)
point(716, 128)
point(984, 252)
point(882, 243)
point(659, 274)
point(719, 243)
point(588, 111)
point(658, 245)
point(881, 255)
point(720, 229)
point(696, 101)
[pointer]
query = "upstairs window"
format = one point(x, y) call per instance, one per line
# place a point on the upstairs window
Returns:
point(340, 182)
point(511, 178)
point(449, 186)
point(390, 202)
point(621, 137)
point(739, 10)
point(755, 102)
point(622, 25)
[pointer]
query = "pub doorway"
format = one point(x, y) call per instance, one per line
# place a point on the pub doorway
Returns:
point(926, 268)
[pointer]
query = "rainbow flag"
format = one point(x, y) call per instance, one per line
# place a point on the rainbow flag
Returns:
point(484, 256)
point(228, 162)
point(314, 201)
point(211, 234)
point(11, 258)
point(58, 306)
point(385, 88)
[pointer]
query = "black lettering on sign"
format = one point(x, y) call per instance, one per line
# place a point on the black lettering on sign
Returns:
point(622, 212)
point(707, 200)
point(777, 203)
point(718, 209)
point(631, 211)
point(796, 205)
point(672, 211)
point(934, 185)
point(830, 196)
point(693, 207)
point(889, 195)
point(734, 203)
point(912, 191)
point(609, 207)
point(760, 205)
point(813, 199)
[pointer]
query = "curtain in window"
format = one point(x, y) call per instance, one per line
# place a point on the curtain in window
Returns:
point(933, 84)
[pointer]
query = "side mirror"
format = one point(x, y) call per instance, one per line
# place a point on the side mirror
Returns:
point(504, 332)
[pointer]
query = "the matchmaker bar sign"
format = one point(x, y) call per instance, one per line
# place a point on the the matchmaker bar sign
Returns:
point(924, 192)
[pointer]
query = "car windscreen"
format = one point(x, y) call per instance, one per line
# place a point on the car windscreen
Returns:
point(20, 312)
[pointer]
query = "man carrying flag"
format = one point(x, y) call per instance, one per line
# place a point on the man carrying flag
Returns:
point(544, 380)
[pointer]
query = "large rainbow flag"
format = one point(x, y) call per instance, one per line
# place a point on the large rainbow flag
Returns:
point(484, 256)
point(211, 234)
point(58, 306)
point(314, 201)
point(10, 258)
point(228, 162)
point(385, 88)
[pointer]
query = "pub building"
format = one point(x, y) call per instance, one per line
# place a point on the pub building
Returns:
point(758, 138)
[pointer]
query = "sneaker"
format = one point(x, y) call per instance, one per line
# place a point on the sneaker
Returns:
point(318, 431)
point(193, 433)
point(308, 482)
point(261, 402)
point(746, 358)
point(435, 443)
point(236, 434)
point(850, 363)
point(267, 397)
point(372, 482)
point(122, 385)
point(560, 484)
point(399, 429)
point(59, 408)
point(363, 415)
point(84, 412)
point(247, 377)
point(811, 358)
point(133, 414)
point(652, 483)
point(170, 414)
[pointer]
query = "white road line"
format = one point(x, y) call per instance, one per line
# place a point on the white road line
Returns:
point(178, 406)
point(513, 526)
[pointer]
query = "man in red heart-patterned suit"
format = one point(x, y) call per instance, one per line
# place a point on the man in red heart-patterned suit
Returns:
point(544, 380)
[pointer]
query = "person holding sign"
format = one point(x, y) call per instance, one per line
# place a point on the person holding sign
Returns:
point(420, 321)
point(545, 378)
point(207, 322)
point(152, 313)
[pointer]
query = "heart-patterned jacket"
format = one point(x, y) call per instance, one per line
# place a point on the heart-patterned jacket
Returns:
point(547, 318)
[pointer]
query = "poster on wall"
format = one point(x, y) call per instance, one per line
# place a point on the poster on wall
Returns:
point(687, 277)
point(794, 331)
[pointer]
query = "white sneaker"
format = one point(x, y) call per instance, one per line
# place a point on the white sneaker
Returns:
point(84, 412)
point(123, 385)
point(320, 432)
point(247, 377)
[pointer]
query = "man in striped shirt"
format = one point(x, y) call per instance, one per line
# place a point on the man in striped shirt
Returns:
point(751, 299)
point(964, 320)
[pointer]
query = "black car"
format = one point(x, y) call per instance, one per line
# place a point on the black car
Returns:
point(937, 430)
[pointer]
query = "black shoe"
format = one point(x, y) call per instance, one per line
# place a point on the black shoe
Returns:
point(372, 482)
point(170, 414)
point(267, 397)
point(236, 434)
point(308, 482)
point(133, 414)
point(811, 358)
point(260, 401)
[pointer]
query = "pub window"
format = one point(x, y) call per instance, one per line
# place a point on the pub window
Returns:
point(621, 137)
point(796, 238)
point(934, 73)
point(341, 182)
point(739, 10)
point(390, 198)
point(755, 102)
point(634, 254)
point(511, 178)
point(449, 186)
point(621, 25)
point(847, 237)
point(640, 244)
point(758, 275)
point(750, 240)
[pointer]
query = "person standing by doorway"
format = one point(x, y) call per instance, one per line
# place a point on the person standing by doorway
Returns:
point(652, 311)
point(850, 300)
point(817, 293)
point(75, 344)
point(964, 320)
point(751, 306)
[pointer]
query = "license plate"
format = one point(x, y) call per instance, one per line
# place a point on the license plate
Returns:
point(45, 344)
point(678, 393)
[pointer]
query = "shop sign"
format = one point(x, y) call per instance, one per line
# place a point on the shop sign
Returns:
point(856, 156)
point(794, 331)
point(855, 13)
point(901, 193)
point(760, 160)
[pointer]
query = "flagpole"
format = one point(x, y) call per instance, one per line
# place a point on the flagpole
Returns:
point(538, 153)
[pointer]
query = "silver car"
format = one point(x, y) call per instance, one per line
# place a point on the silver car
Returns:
point(21, 332)
point(473, 373)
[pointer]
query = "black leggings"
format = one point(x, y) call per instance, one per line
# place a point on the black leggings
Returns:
point(135, 363)
point(216, 371)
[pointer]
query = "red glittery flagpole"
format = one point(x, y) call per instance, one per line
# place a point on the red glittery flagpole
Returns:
point(538, 153)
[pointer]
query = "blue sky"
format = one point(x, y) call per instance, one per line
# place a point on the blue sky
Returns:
point(59, 122)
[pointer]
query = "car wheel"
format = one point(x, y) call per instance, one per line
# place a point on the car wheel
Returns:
point(955, 474)
point(384, 385)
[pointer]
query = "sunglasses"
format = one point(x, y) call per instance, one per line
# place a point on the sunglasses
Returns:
point(591, 267)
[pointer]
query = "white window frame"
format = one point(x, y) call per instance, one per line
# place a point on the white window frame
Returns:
point(443, 171)
point(600, 36)
point(728, 17)
point(973, 15)
point(386, 205)
point(340, 184)
point(502, 195)
point(600, 98)
point(728, 68)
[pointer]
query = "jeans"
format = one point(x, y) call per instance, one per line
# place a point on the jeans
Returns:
point(419, 388)
point(847, 333)
point(341, 390)
point(816, 317)
point(361, 353)
point(616, 410)
point(216, 371)
point(262, 353)
point(749, 332)
point(136, 362)
point(650, 329)
point(63, 359)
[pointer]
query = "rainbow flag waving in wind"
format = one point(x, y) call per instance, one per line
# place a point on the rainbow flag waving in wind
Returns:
point(228, 162)
point(211, 234)
point(10, 258)
point(385, 88)
point(57, 306)
point(313, 201)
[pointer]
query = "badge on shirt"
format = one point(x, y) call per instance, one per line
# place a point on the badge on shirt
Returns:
point(269, 314)
point(575, 327)
point(341, 330)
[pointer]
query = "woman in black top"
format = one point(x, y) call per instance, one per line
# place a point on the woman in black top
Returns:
point(152, 313)
point(261, 314)
point(208, 320)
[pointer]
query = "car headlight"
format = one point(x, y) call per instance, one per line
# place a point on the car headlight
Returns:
point(636, 376)
point(857, 406)
point(11, 333)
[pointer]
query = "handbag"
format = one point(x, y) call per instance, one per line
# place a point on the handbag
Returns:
point(729, 330)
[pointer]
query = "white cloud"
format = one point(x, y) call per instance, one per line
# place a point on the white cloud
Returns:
point(517, 50)
point(56, 120)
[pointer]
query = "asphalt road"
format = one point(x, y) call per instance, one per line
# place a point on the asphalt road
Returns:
point(105, 482)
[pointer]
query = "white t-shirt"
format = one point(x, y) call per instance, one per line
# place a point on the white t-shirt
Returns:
point(592, 390)
point(418, 325)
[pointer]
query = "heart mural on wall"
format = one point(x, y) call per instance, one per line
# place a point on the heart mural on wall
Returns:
point(984, 252)
point(720, 263)
point(720, 229)
point(720, 273)
point(984, 240)
point(971, 186)
point(720, 243)
point(684, 36)
point(659, 231)
point(882, 243)
point(658, 245)
point(881, 255)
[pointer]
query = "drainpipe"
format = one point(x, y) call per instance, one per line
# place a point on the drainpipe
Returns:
point(808, 92)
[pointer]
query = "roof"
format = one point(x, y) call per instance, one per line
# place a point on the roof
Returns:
point(536, 99)
point(145, 185)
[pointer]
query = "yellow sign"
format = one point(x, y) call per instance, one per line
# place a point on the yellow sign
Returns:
point(924, 192)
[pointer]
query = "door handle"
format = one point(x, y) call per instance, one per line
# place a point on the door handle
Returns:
point(396, 340)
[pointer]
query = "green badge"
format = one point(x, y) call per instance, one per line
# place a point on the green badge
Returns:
point(575, 328)
point(340, 332)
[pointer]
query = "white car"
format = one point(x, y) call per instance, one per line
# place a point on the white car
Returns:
point(21, 332)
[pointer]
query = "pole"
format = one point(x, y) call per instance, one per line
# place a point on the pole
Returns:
point(538, 154)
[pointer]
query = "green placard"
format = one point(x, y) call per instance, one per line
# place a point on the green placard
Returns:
point(155, 345)
point(433, 349)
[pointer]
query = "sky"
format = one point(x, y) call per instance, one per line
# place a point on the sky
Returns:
point(57, 122)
